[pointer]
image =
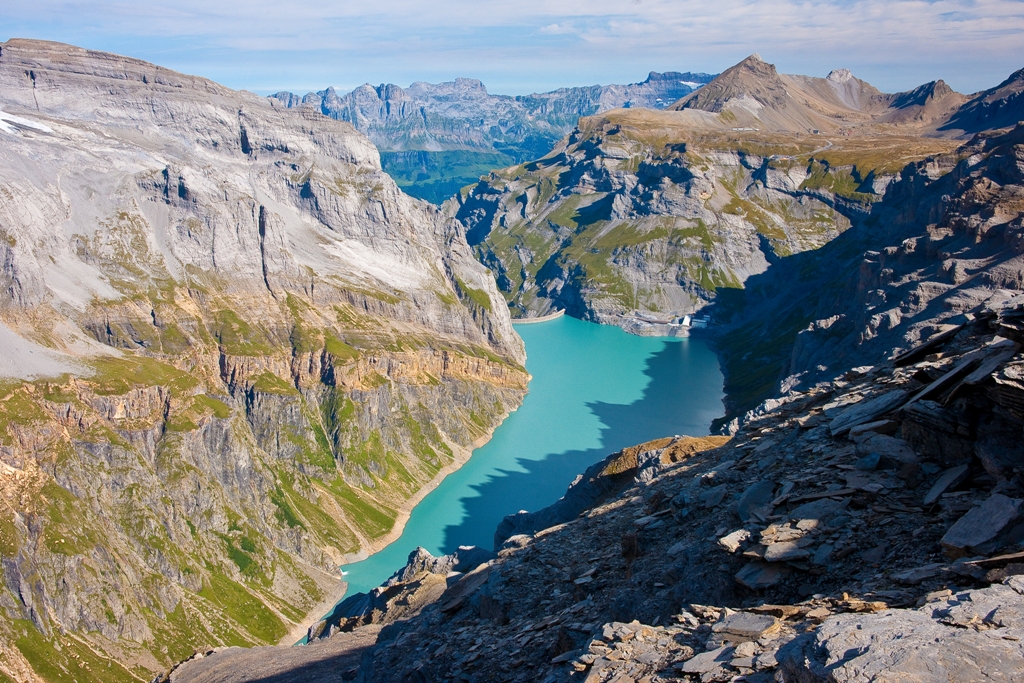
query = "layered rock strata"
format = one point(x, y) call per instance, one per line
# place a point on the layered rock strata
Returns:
point(234, 353)
point(641, 217)
point(945, 240)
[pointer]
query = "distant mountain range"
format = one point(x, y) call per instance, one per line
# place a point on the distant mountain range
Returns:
point(436, 138)
point(752, 94)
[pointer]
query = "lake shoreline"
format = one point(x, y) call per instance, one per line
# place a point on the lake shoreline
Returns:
point(594, 389)
point(462, 456)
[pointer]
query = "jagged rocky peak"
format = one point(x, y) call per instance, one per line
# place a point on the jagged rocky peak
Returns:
point(839, 75)
point(456, 108)
point(922, 94)
point(998, 107)
point(460, 86)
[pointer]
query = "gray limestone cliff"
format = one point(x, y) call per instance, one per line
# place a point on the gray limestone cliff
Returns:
point(234, 353)
point(639, 218)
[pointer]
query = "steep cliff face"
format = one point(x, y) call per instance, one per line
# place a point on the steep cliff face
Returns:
point(639, 217)
point(436, 138)
point(234, 352)
point(946, 239)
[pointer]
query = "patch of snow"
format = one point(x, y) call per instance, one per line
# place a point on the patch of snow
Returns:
point(691, 84)
point(6, 119)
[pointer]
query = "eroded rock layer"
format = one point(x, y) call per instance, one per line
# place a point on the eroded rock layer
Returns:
point(234, 352)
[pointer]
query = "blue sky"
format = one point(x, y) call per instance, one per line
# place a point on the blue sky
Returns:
point(536, 45)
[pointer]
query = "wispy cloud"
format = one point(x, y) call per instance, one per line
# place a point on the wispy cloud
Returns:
point(536, 44)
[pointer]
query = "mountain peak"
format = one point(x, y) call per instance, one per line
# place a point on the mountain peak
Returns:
point(756, 64)
point(753, 78)
point(922, 95)
point(839, 75)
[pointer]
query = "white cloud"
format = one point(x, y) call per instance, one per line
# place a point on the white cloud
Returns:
point(534, 44)
point(558, 29)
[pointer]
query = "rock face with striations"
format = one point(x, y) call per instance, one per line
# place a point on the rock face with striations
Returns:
point(640, 217)
point(945, 240)
point(234, 351)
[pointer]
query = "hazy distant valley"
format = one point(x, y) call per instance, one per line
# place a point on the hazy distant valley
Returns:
point(436, 138)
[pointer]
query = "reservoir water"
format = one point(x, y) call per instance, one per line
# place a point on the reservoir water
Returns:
point(595, 390)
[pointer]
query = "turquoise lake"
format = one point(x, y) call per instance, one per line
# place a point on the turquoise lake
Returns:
point(595, 390)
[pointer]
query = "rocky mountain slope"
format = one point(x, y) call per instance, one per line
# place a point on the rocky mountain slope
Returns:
point(234, 354)
point(866, 524)
point(640, 217)
point(861, 530)
point(436, 138)
point(945, 239)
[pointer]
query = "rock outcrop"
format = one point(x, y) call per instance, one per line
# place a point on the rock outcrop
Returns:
point(639, 217)
point(234, 352)
point(945, 240)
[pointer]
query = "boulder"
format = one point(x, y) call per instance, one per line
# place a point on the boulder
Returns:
point(757, 575)
point(708, 662)
point(746, 626)
point(980, 531)
point(733, 541)
point(787, 551)
point(821, 510)
point(867, 411)
point(753, 501)
point(948, 479)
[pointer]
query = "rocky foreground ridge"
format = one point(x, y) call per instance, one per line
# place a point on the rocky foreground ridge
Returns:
point(233, 354)
point(639, 217)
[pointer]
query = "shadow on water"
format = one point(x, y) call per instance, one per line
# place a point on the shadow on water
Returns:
point(662, 411)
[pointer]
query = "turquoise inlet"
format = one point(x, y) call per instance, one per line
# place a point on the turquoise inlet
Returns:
point(595, 390)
